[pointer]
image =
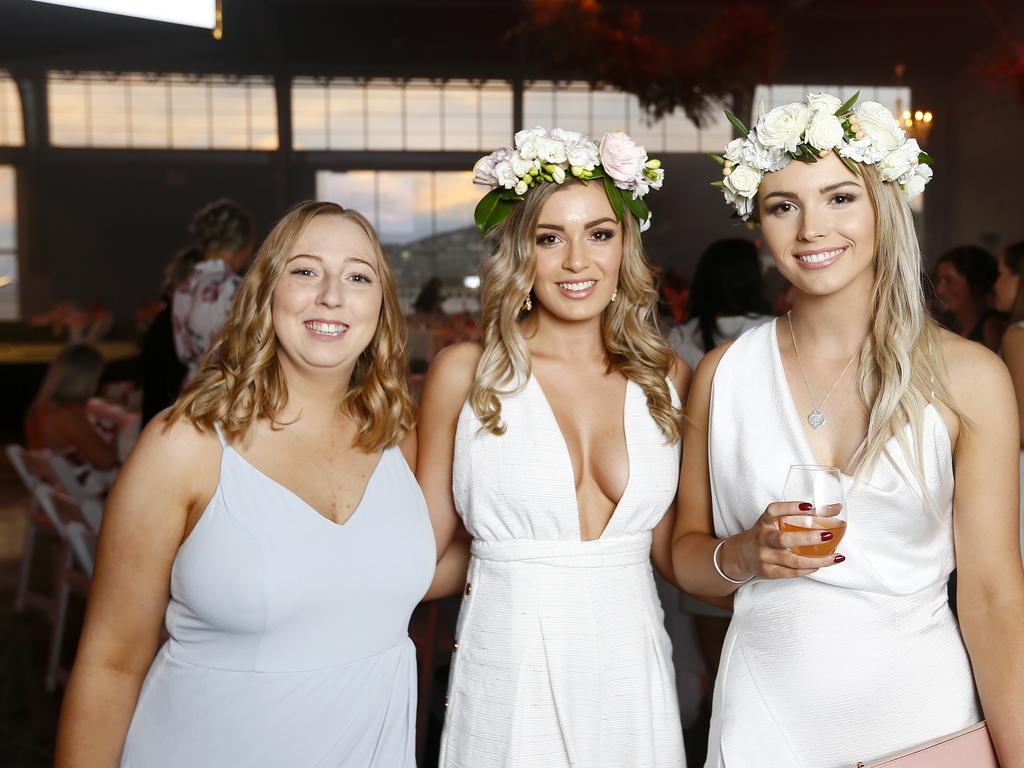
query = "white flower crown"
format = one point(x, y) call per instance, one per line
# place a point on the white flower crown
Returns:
point(867, 134)
point(553, 156)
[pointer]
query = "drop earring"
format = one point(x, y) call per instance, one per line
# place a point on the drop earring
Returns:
point(527, 305)
point(615, 294)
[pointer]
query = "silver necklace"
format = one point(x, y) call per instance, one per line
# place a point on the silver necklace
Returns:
point(815, 418)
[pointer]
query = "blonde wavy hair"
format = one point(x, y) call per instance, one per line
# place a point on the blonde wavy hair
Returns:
point(902, 368)
point(633, 345)
point(240, 381)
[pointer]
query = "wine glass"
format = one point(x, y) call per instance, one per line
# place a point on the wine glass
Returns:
point(822, 487)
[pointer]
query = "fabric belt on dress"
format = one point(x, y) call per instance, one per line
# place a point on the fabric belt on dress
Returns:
point(600, 553)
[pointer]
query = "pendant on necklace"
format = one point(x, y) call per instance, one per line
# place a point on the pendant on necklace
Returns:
point(816, 418)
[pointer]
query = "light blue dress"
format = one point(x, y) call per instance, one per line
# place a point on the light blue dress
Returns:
point(289, 633)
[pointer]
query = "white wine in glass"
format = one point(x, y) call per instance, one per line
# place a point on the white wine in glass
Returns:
point(822, 488)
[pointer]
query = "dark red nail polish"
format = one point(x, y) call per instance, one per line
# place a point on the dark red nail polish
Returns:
point(826, 536)
point(840, 558)
point(806, 506)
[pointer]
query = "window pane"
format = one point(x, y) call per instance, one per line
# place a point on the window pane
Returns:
point(263, 117)
point(538, 105)
point(190, 121)
point(11, 126)
point(423, 116)
point(229, 105)
point(108, 106)
point(461, 111)
point(495, 116)
point(9, 305)
point(611, 112)
point(68, 109)
point(644, 131)
point(384, 116)
point(572, 109)
point(309, 116)
point(149, 119)
point(347, 129)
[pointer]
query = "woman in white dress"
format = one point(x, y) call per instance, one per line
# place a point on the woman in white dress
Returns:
point(559, 435)
point(855, 655)
point(1009, 298)
point(276, 509)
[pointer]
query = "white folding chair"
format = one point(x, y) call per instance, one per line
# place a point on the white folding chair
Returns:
point(77, 525)
point(67, 481)
point(34, 469)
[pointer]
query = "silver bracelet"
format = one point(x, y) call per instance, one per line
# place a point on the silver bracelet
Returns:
point(718, 568)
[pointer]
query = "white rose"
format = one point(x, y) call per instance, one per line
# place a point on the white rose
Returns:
point(520, 165)
point(734, 150)
point(881, 127)
point(526, 141)
point(550, 150)
point(622, 158)
point(824, 102)
point(783, 127)
point(757, 155)
point(915, 184)
point(505, 175)
point(566, 137)
point(582, 154)
point(743, 181)
point(900, 161)
point(825, 131)
point(744, 205)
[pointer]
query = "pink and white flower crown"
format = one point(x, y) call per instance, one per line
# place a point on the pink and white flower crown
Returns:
point(810, 130)
point(553, 156)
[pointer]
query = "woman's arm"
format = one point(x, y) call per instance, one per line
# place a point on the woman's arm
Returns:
point(986, 519)
point(161, 491)
point(444, 392)
point(763, 550)
point(1013, 356)
point(661, 543)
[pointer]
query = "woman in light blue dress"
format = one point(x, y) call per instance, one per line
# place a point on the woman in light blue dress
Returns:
point(275, 508)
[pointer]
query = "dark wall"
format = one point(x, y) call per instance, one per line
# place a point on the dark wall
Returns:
point(112, 220)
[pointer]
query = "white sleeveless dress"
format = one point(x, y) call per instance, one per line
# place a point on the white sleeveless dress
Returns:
point(856, 661)
point(289, 637)
point(561, 659)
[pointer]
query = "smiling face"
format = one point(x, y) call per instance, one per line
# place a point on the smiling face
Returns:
point(819, 225)
point(327, 303)
point(578, 248)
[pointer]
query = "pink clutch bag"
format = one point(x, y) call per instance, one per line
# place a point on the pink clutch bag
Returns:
point(969, 747)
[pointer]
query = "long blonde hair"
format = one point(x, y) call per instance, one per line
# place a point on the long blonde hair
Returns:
point(633, 345)
point(901, 365)
point(240, 381)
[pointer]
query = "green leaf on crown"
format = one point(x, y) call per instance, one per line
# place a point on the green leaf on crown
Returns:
point(614, 197)
point(636, 206)
point(717, 158)
point(849, 164)
point(510, 194)
point(493, 209)
point(718, 184)
point(737, 124)
point(925, 159)
point(847, 104)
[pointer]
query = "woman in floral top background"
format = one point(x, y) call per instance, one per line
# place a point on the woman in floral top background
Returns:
point(224, 230)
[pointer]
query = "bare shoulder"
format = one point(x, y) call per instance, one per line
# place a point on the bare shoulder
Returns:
point(681, 375)
point(1013, 339)
point(174, 456)
point(972, 368)
point(708, 365)
point(454, 368)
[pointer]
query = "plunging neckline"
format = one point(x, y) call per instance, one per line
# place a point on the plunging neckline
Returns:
point(305, 504)
point(568, 458)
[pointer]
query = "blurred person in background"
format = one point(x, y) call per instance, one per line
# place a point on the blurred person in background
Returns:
point(673, 299)
point(224, 230)
point(727, 298)
point(59, 419)
point(429, 299)
point(1009, 298)
point(964, 278)
point(162, 371)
